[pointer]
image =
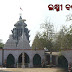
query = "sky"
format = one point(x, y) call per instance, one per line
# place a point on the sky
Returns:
point(35, 12)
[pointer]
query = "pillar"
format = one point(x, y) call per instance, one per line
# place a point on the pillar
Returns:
point(56, 60)
point(23, 65)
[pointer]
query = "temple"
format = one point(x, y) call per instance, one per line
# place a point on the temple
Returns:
point(17, 51)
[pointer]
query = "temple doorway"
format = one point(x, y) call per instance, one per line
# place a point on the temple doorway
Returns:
point(62, 62)
point(26, 59)
point(10, 61)
point(37, 60)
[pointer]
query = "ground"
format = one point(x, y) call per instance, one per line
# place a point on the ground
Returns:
point(32, 70)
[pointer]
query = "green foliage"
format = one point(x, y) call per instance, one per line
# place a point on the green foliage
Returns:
point(63, 39)
point(37, 43)
point(46, 39)
point(1, 44)
point(40, 42)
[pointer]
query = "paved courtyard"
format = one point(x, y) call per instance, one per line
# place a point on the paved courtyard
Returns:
point(31, 70)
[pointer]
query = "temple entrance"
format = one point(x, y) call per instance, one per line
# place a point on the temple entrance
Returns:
point(62, 62)
point(48, 59)
point(10, 61)
point(37, 60)
point(53, 59)
point(20, 58)
point(26, 60)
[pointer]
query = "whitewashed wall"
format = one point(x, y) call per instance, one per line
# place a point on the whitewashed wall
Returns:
point(30, 53)
point(68, 55)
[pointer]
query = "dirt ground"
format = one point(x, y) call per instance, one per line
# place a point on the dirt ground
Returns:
point(31, 70)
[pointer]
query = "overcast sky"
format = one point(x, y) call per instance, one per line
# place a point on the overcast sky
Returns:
point(34, 11)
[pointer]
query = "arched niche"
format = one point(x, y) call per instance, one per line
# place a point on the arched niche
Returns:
point(26, 59)
point(10, 61)
point(36, 60)
point(62, 62)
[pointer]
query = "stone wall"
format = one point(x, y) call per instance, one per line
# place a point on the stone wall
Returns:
point(30, 53)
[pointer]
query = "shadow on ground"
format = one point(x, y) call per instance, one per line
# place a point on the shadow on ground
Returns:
point(6, 71)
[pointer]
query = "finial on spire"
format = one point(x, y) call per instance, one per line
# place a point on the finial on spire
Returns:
point(20, 13)
point(20, 18)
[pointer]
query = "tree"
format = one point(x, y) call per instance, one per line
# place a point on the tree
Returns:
point(67, 40)
point(47, 34)
point(37, 44)
point(63, 39)
point(1, 44)
point(41, 42)
point(44, 39)
point(48, 30)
